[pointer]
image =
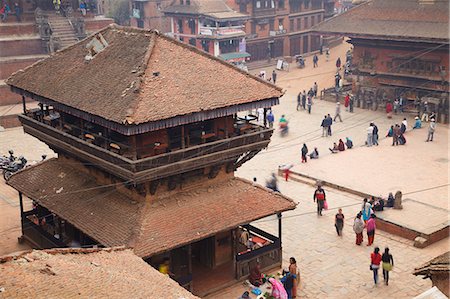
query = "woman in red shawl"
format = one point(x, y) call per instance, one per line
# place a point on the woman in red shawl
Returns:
point(347, 102)
point(389, 109)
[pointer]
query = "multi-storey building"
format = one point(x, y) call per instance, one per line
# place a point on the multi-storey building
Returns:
point(400, 50)
point(209, 25)
point(149, 14)
point(281, 28)
point(148, 133)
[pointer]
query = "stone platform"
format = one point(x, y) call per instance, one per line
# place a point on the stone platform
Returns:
point(404, 223)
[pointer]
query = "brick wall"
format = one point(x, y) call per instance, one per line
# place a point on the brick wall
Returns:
point(20, 29)
point(9, 121)
point(11, 66)
point(22, 47)
point(7, 97)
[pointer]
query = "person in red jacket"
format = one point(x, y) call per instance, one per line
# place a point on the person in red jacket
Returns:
point(389, 109)
point(347, 102)
point(375, 260)
point(319, 197)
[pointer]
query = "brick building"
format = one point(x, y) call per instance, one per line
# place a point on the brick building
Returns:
point(21, 44)
point(209, 25)
point(438, 270)
point(149, 14)
point(280, 27)
point(148, 133)
point(84, 273)
point(400, 50)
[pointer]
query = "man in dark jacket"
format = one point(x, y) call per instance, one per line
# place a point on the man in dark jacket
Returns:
point(329, 123)
point(319, 197)
point(375, 134)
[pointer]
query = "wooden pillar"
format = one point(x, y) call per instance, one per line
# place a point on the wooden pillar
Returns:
point(234, 251)
point(183, 145)
point(265, 117)
point(134, 147)
point(190, 265)
point(24, 105)
point(279, 226)
point(21, 210)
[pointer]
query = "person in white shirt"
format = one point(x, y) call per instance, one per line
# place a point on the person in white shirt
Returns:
point(431, 130)
point(370, 135)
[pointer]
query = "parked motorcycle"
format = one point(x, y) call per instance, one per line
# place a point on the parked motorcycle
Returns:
point(13, 166)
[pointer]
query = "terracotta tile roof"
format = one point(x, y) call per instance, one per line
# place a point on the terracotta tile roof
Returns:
point(205, 8)
point(113, 219)
point(84, 273)
point(392, 19)
point(439, 264)
point(141, 76)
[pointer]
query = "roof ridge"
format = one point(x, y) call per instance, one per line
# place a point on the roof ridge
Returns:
point(54, 251)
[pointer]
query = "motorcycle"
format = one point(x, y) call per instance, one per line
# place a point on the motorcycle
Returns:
point(13, 166)
point(300, 61)
point(284, 129)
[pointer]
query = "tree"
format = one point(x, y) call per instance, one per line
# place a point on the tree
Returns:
point(120, 12)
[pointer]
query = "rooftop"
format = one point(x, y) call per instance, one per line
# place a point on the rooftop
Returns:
point(113, 219)
point(392, 19)
point(141, 77)
point(84, 273)
point(215, 9)
point(440, 264)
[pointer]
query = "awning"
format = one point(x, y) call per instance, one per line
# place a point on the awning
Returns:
point(234, 56)
point(150, 226)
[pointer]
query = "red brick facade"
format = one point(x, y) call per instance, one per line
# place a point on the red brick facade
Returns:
point(280, 27)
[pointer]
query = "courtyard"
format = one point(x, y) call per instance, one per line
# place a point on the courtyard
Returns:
point(330, 266)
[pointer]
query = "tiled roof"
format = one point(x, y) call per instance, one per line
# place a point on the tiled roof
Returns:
point(439, 264)
point(141, 76)
point(114, 219)
point(212, 8)
point(84, 273)
point(392, 19)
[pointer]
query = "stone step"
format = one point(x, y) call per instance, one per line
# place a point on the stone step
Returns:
point(18, 28)
point(16, 47)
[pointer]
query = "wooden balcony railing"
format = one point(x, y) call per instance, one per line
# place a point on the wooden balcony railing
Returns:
point(155, 167)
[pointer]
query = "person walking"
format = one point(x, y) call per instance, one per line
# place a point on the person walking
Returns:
point(315, 89)
point(304, 153)
point(395, 134)
point(274, 77)
point(375, 134)
point(369, 141)
point(299, 100)
point(431, 129)
point(327, 54)
point(389, 109)
point(304, 100)
point(324, 126)
point(338, 112)
point(270, 119)
point(309, 104)
point(371, 226)
point(366, 210)
point(315, 60)
point(375, 261)
point(358, 228)
point(338, 63)
point(18, 12)
point(319, 197)
point(387, 264)
point(329, 123)
point(339, 222)
point(426, 111)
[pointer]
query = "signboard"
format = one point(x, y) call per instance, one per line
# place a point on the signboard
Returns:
point(205, 31)
point(243, 46)
point(229, 31)
point(279, 64)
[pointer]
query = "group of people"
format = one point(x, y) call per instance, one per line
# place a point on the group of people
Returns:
point(340, 146)
point(5, 10)
point(285, 288)
point(372, 134)
point(305, 100)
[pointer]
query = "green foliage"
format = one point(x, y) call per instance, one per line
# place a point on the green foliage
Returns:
point(120, 11)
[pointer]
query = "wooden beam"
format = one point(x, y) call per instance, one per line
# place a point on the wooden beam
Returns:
point(24, 105)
